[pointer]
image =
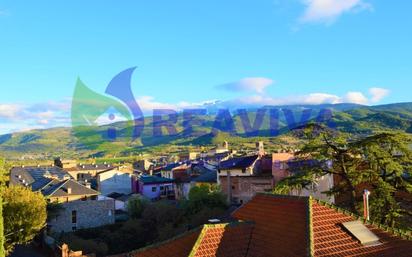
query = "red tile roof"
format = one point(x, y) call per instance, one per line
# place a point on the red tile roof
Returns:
point(223, 240)
point(176, 247)
point(281, 226)
point(330, 239)
point(300, 226)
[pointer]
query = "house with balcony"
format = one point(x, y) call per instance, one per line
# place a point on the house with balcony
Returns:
point(153, 187)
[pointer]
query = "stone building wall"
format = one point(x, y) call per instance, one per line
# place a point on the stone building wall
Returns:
point(89, 214)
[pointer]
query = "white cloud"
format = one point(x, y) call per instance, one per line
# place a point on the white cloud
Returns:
point(329, 10)
point(356, 98)
point(257, 84)
point(147, 104)
point(378, 94)
point(308, 99)
point(43, 122)
point(320, 98)
point(16, 117)
point(44, 115)
point(9, 111)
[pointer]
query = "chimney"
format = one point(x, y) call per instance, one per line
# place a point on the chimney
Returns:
point(366, 194)
point(260, 148)
point(226, 145)
point(65, 250)
point(69, 190)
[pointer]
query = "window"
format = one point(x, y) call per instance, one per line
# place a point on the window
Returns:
point(154, 189)
point(74, 228)
point(244, 170)
point(74, 216)
point(161, 188)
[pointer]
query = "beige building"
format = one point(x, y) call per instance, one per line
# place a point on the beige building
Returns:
point(82, 171)
point(281, 169)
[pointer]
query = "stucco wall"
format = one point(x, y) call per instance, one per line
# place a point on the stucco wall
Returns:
point(325, 183)
point(146, 190)
point(114, 181)
point(244, 188)
point(237, 172)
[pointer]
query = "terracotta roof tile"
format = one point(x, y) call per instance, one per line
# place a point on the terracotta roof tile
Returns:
point(175, 247)
point(223, 240)
point(282, 226)
point(282, 229)
point(330, 239)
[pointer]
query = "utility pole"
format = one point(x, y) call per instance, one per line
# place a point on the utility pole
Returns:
point(229, 187)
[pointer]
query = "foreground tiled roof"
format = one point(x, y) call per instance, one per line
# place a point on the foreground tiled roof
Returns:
point(176, 247)
point(282, 226)
point(300, 226)
point(330, 239)
point(223, 240)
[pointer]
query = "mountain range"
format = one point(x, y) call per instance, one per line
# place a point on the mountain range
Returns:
point(93, 141)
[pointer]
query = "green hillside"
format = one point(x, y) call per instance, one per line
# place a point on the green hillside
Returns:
point(45, 144)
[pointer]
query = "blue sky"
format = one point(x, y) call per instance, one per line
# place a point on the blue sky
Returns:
point(188, 52)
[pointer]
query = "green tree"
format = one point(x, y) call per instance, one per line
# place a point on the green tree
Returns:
point(24, 214)
point(204, 197)
point(381, 163)
point(2, 252)
point(387, 169)
point(136, 206)
point(2, 186)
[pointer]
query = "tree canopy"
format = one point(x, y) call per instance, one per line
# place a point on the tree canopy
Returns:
point(2, 186)
point(380, 163)
point(24, 214)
